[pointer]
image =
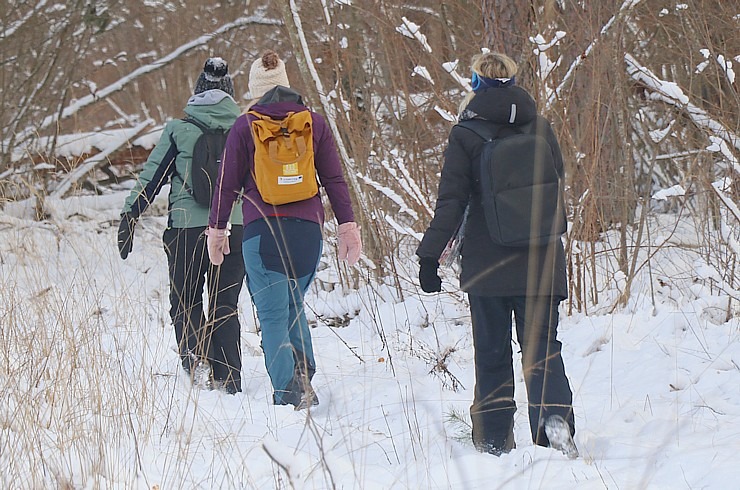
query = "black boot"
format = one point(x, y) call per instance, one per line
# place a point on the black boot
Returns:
point(497, 448)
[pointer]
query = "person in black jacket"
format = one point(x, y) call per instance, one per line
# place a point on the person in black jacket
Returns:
point(526, 281)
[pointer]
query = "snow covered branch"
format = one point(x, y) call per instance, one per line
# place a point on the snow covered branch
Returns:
point(626, 5)
point(328, 109)
point(671, 93)
point(401, 229)
point(392, 195)
point(719, 188)
point(95, 160)
point(451, 68)
point(14, 26)
point(78, 104)
point(412, 30)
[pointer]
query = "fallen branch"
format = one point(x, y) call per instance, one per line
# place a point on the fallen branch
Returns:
point(95, 160)
point(719, 188)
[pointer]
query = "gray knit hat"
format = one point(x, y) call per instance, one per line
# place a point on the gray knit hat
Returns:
point(265, 74)
point(215, 75)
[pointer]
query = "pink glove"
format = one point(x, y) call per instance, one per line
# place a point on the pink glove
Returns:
point(350, 243)
point(218, 244)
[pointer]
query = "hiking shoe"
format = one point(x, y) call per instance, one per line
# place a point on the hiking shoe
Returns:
point(189, 360)
point(496, 449)
point(558, 433)
point(487, 447)
point(308, 399)
point(230, 387)
point(201, 375)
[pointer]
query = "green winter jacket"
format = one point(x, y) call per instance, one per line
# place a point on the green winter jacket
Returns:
point(170, 161)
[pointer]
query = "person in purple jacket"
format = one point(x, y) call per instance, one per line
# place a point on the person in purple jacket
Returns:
point(281, 244)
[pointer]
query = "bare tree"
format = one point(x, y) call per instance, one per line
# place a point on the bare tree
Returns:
point(642, 94)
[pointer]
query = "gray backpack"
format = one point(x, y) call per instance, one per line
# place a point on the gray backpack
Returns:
point(522, 192)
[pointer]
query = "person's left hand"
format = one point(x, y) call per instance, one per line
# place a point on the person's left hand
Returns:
point(217, 242)
point(429, 279)
point(350, 242)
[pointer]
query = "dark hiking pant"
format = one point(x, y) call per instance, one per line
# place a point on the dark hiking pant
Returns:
point(215, 338)
point(548, 391)
point(281, 256)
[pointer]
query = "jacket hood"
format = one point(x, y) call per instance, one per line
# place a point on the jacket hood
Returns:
point(503, 105)
point(214, 108)
point(278, 102)
point(280, 94)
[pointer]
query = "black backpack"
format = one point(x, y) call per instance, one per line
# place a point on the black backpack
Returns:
point(522, 192)
point(207, 152)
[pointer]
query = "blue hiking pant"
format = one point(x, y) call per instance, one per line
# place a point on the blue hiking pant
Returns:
point(281, 256)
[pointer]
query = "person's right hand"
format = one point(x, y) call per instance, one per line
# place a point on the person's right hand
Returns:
point(428, 278)
point(217, 242)
point(126, 234)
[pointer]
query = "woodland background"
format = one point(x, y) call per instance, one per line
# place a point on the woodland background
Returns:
point(642, 94)
point(644, 98)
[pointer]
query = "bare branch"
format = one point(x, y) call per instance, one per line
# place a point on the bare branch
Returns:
point(628, 4)
point(16, 25)
point(671, 93)
point(156, 65)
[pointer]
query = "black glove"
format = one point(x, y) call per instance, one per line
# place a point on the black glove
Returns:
point(126, 234)
point(428, 277)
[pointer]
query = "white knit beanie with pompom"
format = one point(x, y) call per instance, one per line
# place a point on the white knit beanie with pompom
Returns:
point(265, 74)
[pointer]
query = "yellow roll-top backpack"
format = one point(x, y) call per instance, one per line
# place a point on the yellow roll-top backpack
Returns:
point(284, 168)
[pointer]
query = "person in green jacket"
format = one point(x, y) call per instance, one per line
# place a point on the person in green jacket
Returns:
point(208, 345)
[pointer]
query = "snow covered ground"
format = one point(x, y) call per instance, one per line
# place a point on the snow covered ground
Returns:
point(92, 396)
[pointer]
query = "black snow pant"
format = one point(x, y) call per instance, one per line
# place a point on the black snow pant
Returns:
point(548, 390)
point(216, 338)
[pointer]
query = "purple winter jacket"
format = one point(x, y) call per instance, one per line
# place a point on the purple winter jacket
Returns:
point(236, 173)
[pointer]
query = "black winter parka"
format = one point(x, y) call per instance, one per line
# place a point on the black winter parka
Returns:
point(489, 269)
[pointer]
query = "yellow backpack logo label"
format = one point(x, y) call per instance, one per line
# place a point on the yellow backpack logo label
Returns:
point(284, 168)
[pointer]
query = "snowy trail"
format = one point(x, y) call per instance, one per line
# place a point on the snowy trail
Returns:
point(103, 404)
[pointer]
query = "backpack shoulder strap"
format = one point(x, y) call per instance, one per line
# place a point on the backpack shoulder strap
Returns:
point(195, 122)
point(484, 129)
point(203, 128)
point(489, 132)
point(528, 128)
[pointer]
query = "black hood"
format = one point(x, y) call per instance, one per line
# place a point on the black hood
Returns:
point(504, 105)
point(280, 94)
